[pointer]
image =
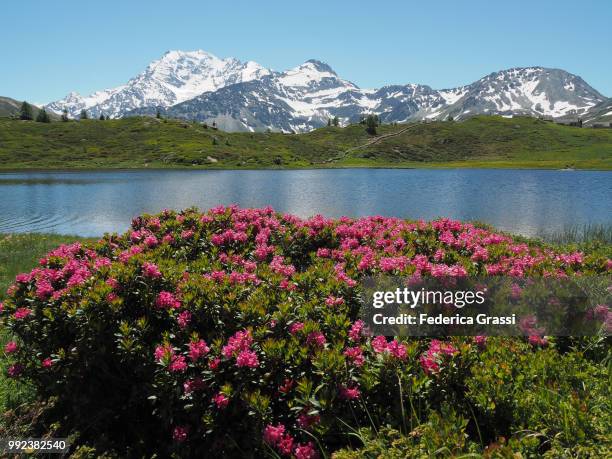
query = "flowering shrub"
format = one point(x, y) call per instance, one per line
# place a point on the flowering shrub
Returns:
point(235, 331)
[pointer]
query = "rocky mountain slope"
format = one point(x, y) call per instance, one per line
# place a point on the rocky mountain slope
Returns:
point(248, 97)
point(176, 77)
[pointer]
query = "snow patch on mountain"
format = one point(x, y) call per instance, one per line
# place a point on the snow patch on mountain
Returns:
point(246, 96)
point(176, 77)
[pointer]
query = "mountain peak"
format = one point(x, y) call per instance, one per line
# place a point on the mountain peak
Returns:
point(320, 66)
point(199, 85)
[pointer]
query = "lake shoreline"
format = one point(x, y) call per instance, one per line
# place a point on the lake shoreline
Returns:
point(432, 166)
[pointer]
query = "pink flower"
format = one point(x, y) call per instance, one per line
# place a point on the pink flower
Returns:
point(166, 300)
point(187, 234)
point(355, 355)
point(22, 313)
point(151, 241)
point(198, 349)
point(247, 358)
point(334, 301)
point(221, 401)
point(305, 420)
point(379, 344)
point(350, 393)
point(398, 350)
point(214, 363)
point(15, 370)
point(193, 385)
point(150, 270)
point(113, 283)
point(285, 446)
point(480, 341)
point(183, 319)
point(102, 263)
point(11, 347)
point(435, 355)
point(241, 341)
point(429, 364)
point(356, 330)
point(536, 340)
point(163, 352)
point(47, 363)
point(273, 435)
point(296, 327)
point(305, 451)
point(178, 364)
point(44, 289)
point(180, 433)
point(316, 338)
point(480, 254)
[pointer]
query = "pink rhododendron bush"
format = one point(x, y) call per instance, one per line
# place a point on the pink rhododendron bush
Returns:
point(235, 333)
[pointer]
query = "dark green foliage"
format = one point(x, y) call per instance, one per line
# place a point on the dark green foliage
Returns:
point(83, 115)
point(65, 115)
point(371, 123)
point(26, 112)
point(43, 116)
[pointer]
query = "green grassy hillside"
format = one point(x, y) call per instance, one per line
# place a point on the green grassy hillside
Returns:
point(484, 141)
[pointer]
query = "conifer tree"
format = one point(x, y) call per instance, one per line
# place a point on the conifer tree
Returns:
point(26, 112)
point(64, 115)
point(371, 124)
point(102, 118)
point(336, 121)
point(83, 115)
point(43, 116)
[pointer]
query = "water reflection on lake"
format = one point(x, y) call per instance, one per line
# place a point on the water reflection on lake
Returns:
point(520, 201)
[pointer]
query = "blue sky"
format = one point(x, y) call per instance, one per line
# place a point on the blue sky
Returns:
point(50, 48)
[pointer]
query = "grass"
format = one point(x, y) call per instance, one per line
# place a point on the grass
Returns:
point(484, 141)
point(580, 234)
point(19, 253)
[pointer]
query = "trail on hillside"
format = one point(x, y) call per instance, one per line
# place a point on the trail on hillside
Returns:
point(370, 142)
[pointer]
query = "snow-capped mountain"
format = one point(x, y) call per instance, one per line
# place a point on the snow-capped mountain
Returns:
point(248, 97)
point(176, 77)
point(600, 113)
point(533, 91)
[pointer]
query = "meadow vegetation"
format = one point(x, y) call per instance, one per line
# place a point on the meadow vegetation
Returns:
point(484, 141)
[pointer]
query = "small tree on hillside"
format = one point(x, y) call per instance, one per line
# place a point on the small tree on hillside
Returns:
point(83, 115)
point(336, 121)
point(328, 122)
point(64, 115)
point(26, 112)
point(43, 116)
point(371, 123)
point(102, 118)
point(158, 114)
